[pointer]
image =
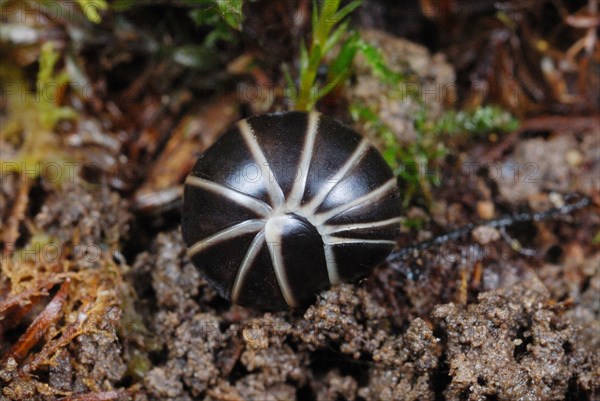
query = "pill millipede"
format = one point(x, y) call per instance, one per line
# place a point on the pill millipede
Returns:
point(284, 205)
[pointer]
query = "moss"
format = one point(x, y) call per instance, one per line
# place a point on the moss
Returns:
point(33, 117)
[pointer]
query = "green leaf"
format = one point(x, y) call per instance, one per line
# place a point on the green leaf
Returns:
point(288, 77)
point(52, 115)
point(92, 9)
point(48, 58)
point(315, 16)
point(481, 121)
point(220, 32)
point(231, 12)
point(335, 37)
point(377, 63)
point(326, 21)
point(205, 16)
point(307, 80)
point(328, 88)
point(343, 61)
point(303, 57)
point(328, 10)
point(344, 12)
point(315, 58)
point(47, 87)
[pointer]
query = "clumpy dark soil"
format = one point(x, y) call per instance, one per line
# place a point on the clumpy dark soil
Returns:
point(466, 321)
point(512, 343)
point(529, 335)
point(99, 302)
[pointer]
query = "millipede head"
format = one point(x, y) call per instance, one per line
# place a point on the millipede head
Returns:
point(284, 205)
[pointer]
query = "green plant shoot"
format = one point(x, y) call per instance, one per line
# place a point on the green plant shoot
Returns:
point(92, 9)
point(327, 31)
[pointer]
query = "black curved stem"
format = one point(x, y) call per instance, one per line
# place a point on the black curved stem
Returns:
point(505, 221)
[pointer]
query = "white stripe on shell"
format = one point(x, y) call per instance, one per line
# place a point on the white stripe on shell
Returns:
point(331, 240)
point(297, 191)
point(244, 268)
point(273, 187)
point(256, 205)
point(274, 237)
point(332, 269)
point(331, 229)
point(372, 196)
point(329, 184)
point(245, 227)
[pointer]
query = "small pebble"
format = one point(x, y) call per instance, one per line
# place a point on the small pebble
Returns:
point(255, 338)
point(556, 199)
point(485, 235)
point(573, 157)
point(486, 209)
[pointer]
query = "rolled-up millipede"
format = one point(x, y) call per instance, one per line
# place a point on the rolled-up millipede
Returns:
point(284, 205)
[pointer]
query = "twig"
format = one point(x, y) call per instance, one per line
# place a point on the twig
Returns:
point(11, 233)
point(38, 328)
point(501, 222)
point(99, 396)
point(39, 289)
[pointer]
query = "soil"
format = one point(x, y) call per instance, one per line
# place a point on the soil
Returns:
point(99, 301)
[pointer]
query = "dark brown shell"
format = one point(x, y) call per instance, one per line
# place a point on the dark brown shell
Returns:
point(284, 205)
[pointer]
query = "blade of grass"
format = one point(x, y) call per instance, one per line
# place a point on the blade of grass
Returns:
point(343, 62)
point(344, 12)
point(335, 37)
